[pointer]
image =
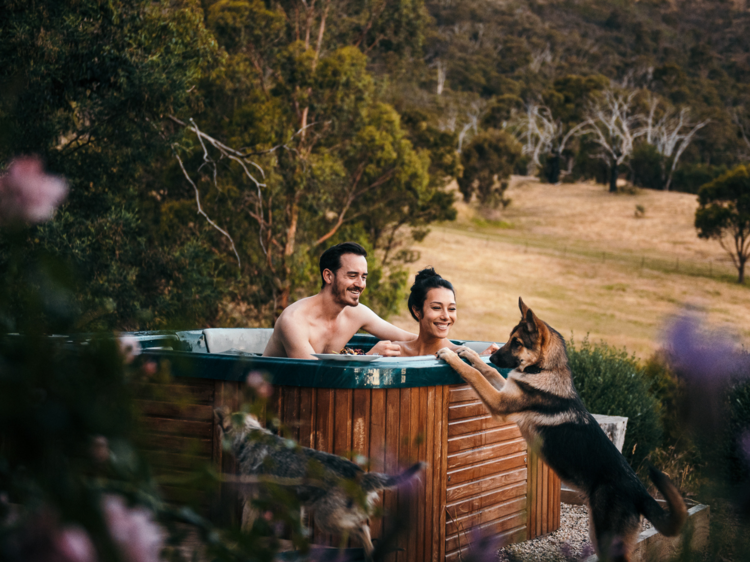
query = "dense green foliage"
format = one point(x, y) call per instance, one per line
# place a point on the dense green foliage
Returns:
point(488, 162)
point(487, 56)
point(611, 382)
point(316, 157)
point(724, 215)
point(348, 115)
point(85, 86)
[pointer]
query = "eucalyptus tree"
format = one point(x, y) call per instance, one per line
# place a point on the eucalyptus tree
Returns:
point(614, 125)
point(294, 151)
point(723, 214)
point(670, 134)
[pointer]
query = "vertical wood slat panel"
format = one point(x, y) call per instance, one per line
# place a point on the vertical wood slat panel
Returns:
point(377, 447)
point(429, 525)
point(404, 454)
point(392, 435)
point(342, 423)
point(443, 457)
point(421, 411)
point(306, 416)
point(438, 479)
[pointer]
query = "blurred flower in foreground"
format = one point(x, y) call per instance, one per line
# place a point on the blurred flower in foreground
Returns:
point(706, 363)
point(100, 449)
point(28, 194)
point(482, 548)
point(42, 539)
point(74, 544)
point(258, 382)
point(137, 536)
point(129, 348)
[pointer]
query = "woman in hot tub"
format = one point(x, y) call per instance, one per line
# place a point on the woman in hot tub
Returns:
point(432, 303)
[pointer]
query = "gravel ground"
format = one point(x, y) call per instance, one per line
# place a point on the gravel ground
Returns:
point(570, 542)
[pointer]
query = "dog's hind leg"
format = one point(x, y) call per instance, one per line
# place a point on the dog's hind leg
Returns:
point(613, 528)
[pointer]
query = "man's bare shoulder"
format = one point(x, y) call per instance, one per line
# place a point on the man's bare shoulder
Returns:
point(296, 312)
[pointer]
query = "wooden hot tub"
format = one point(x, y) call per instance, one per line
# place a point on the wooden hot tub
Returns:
point(394, 411)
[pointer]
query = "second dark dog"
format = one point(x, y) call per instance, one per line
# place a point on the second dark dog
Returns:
point(327, 486)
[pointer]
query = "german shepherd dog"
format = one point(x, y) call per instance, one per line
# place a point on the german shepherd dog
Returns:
point(328, 485)
point(540, 397)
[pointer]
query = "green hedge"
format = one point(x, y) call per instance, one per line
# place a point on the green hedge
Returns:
point(611, 382)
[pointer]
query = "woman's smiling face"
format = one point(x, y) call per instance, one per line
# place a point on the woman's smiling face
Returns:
point(438, 313)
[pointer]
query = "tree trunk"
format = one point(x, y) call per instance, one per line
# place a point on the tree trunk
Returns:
point(554, 168)
point(613, 177)
point(741, 271)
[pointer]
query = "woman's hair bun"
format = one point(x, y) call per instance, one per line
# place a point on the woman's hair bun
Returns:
point(426, 273)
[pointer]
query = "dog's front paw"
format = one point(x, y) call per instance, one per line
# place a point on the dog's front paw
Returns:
point(469, 354)
point(448, 356)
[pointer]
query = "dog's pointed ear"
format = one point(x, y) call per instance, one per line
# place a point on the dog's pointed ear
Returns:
point(522, 306)
point(528, 319)
point(223, 417)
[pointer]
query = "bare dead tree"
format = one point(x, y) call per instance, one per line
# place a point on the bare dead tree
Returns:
point(614, 127)
point(472, 116)
point(440, 76)
point(259, 207)
point(670, 134)
point(541, 134)
point(673, 135)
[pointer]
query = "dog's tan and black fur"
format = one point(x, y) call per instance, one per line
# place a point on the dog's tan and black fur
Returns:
point(328, 484)
point(539, 395)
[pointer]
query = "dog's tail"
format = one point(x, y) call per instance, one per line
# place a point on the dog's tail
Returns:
point(374, 481)
point(667, 522)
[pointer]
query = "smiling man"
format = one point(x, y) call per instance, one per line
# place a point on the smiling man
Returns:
point(324, 323)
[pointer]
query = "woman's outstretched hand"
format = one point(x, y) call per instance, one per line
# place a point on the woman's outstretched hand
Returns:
point(491, 349)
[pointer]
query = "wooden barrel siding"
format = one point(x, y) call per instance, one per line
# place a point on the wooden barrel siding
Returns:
point(479, 475)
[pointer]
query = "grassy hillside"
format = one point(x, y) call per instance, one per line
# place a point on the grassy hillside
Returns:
point(582, 259)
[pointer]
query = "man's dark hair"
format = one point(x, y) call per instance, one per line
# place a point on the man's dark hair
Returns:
point(331, 258)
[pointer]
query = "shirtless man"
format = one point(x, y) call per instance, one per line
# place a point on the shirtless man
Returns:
point(324, 323)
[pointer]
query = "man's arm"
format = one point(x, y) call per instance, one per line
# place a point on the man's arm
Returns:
point(375, 325)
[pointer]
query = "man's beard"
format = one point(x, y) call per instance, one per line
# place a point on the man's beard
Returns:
point(339, 294)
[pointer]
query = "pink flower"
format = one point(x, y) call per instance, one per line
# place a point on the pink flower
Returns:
point(138, 537)
point(74, 545)
point(129, 348)
point(27, 194)
point(258, 382)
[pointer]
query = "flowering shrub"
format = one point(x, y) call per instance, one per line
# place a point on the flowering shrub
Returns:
point(29, 195)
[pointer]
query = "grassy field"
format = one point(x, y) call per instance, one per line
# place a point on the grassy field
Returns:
point(586, 264)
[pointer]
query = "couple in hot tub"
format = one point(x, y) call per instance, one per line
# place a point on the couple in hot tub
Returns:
point(325, 323)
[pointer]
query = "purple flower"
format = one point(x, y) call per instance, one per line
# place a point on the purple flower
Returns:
point(708, 360)
point(27, 194)
point(133, 530)
point(706, 363)
point(482, 548)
